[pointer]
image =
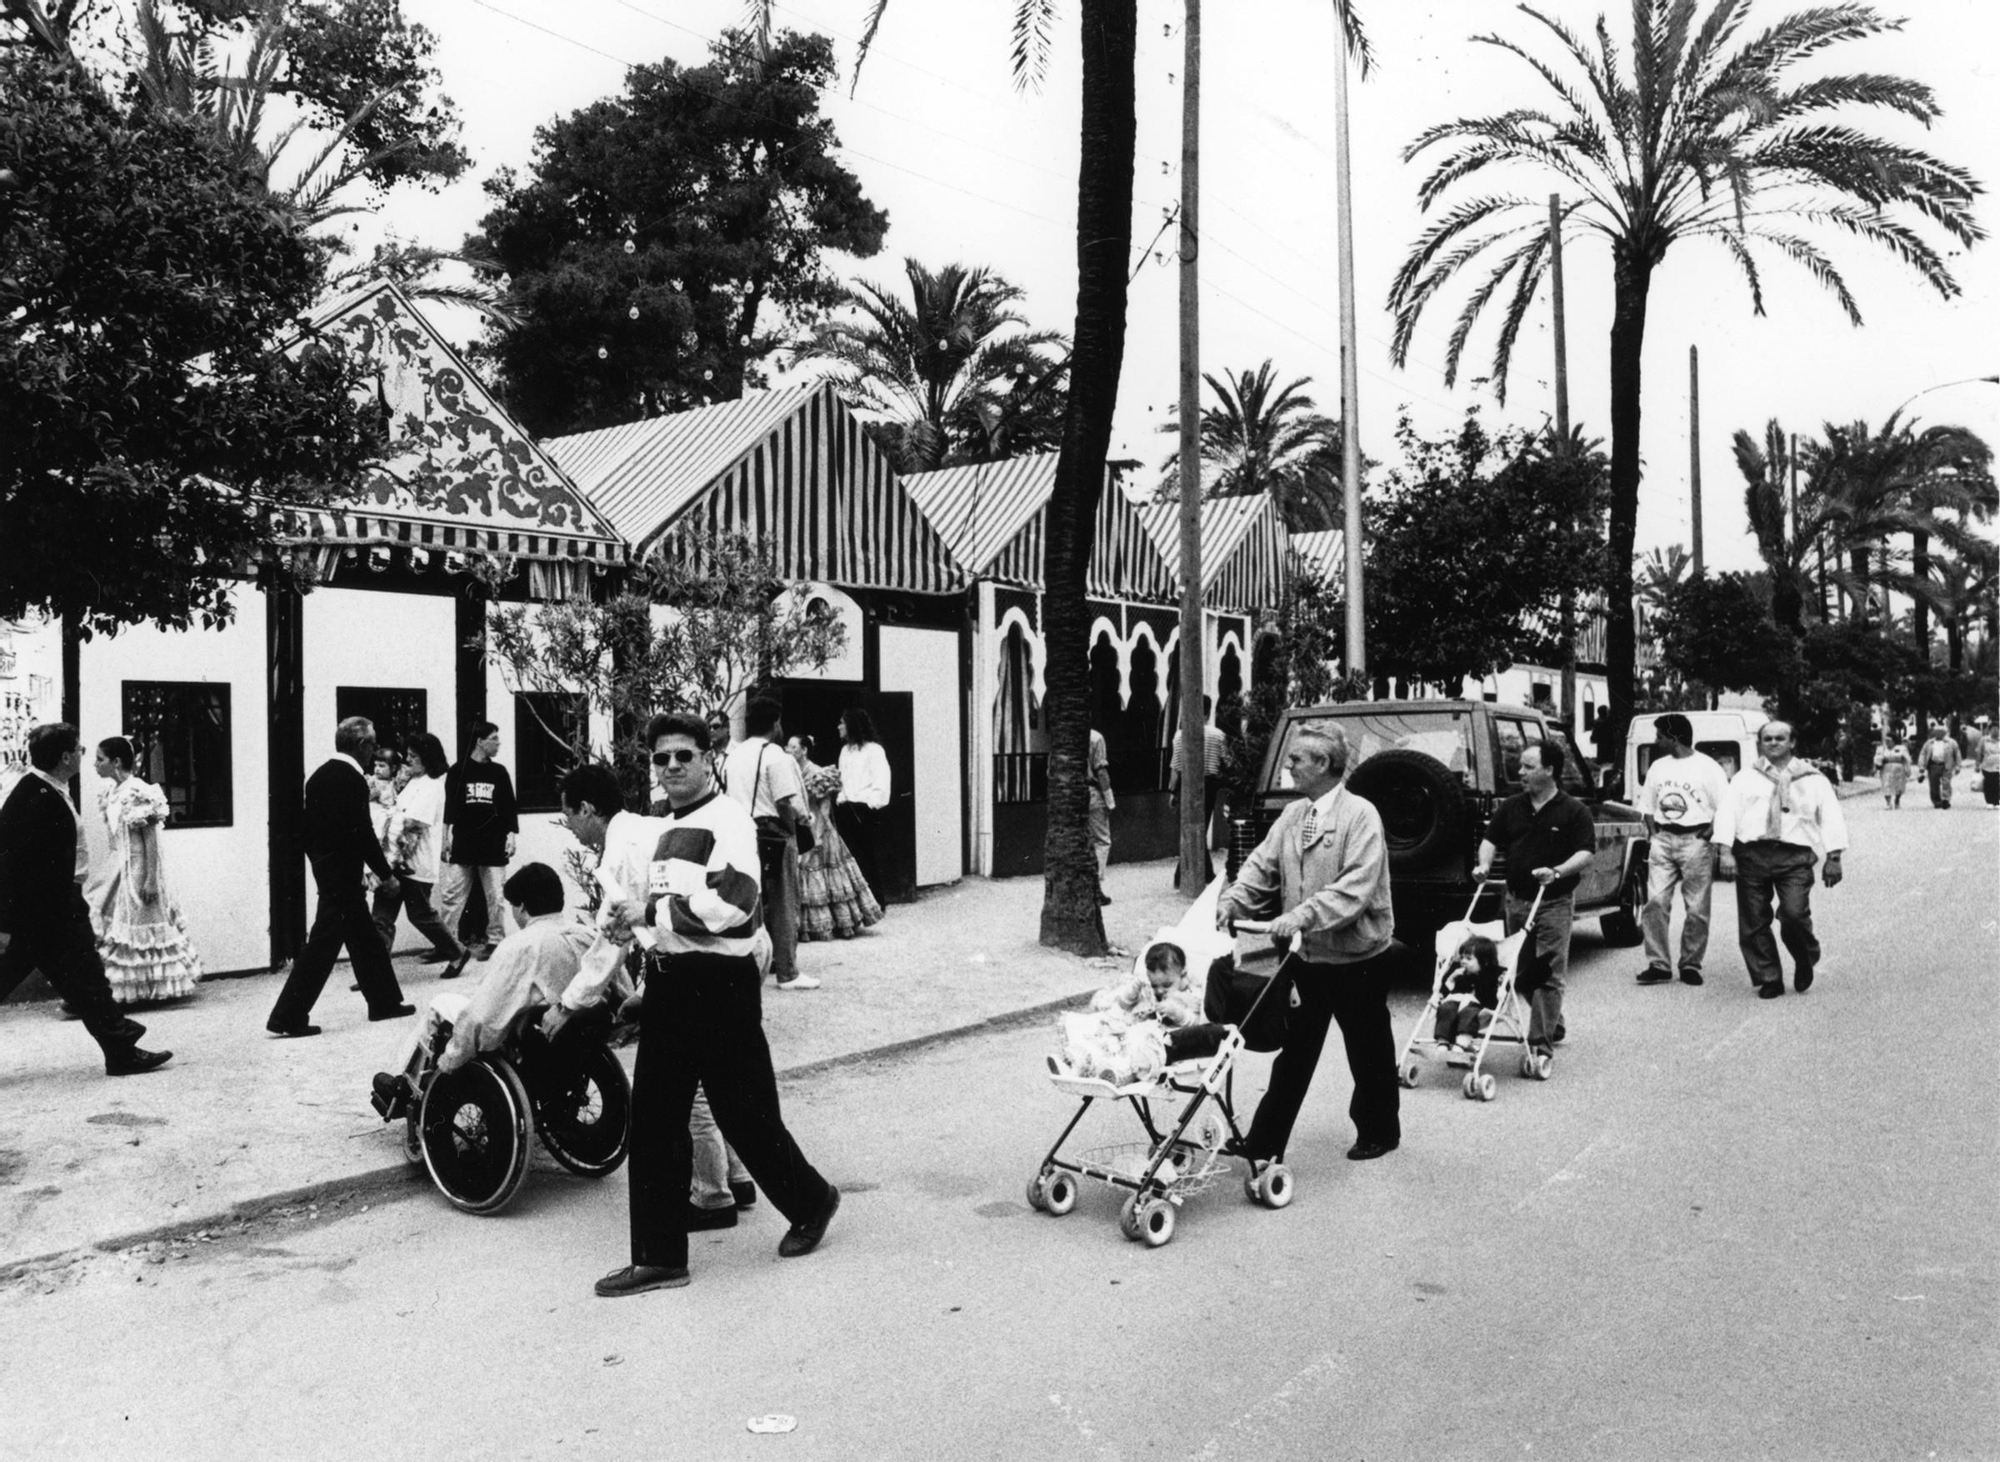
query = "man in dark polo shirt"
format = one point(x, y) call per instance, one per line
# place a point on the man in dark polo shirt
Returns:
point(1548, 837)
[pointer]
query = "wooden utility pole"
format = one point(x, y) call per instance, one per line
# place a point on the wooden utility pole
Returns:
point(1356, 658)
point(1194, 829)
point(1694, 448)
point(1567, 626)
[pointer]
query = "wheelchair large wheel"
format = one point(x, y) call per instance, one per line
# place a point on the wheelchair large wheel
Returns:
point(585, 1114)
point(474, 1130)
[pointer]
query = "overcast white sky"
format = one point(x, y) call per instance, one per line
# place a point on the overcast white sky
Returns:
point(972, 170)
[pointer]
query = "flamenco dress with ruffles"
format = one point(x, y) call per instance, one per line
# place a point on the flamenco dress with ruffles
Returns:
point(835, 901)
point(142, 935)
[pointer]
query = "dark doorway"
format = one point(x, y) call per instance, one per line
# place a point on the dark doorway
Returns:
point(400, 716)
point(813, 707)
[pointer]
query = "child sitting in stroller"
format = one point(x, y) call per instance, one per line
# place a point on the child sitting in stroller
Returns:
point(1470, 991)
point(1125, 1036)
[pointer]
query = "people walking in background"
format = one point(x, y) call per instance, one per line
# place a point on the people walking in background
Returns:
point(1892, 765)
point(1989, 765)
point(1097, 768)
point(339, 841)
point(1214, 754)
point(416, 850)
point(835, 901)
point(1324, 869)
point(701, 1024)
point(44, 921)
point(764, 780)
point(481, 824)
point(718, 749)
point(1683, 789)
point(1939, 760)
point(142, 937)
point(1780, 817)
point(1549, 838)
point(864, 792)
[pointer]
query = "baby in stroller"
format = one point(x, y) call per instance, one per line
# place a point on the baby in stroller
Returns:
point(1471, 989)
point(1126, 1034)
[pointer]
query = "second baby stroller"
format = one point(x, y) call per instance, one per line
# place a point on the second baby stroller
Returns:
point(1504, 998)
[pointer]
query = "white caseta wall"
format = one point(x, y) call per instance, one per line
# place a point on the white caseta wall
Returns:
point(219, 875)
point(925, 663)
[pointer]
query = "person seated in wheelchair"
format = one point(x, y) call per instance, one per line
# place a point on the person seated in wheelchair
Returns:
point(529, 971)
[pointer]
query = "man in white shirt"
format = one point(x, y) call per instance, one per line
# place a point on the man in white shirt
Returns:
point(761, 775)
point(1684, 790)
point(1780, 815)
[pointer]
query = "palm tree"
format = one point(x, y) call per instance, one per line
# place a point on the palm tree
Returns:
point(948, 365)
point(1698, 134)
point(1260, 437)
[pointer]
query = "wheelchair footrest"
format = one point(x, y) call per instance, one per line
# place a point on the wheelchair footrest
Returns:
point(391, 1097)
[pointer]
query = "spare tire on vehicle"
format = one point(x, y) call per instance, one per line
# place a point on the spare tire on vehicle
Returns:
point(1422, 803)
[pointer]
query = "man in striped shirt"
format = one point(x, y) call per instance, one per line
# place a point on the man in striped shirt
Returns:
point(702, 1023)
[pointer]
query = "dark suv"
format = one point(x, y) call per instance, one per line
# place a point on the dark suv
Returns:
point(1436, 770)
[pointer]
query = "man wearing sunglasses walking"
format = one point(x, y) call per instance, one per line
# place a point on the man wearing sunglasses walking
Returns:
point(704, 1026)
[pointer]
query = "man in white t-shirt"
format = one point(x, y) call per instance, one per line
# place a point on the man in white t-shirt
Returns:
point(761, 775)
point(1684, 789)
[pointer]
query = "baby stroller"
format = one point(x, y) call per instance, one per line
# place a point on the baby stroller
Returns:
point(1191, 1154)
point(469, 1127)
point(1510, 1015)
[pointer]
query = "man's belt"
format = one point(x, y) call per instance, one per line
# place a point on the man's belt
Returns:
point(1699, 830)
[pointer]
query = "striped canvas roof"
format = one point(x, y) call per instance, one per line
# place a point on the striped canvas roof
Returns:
point(791, 470)
point(1242, 549)
point(461, 474)
point(1322, 554)
point(994, 516)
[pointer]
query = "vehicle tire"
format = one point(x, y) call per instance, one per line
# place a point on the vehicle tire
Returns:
point(1620, 927)
point(1422, 803)
point(1059, 1193)
point(585, 1114)
point(1156, 1223)
point(474, 1129)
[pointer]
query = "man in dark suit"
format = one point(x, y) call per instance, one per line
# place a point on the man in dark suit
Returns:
point(338, 840)
point(44, 922)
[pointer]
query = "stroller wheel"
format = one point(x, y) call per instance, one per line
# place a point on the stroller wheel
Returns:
point(1128, 1217)
point(1274, 1186)
point(1544, 1067)
point(1156, 1222)
point(1527, 1064)
point(1058, 1193)
point(1410, 1073)
point(1035, 1199)
point(1486, 1086)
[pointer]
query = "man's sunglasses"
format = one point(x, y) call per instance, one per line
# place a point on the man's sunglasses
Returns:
point(680, 757)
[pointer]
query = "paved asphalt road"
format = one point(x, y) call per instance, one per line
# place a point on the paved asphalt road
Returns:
point(1726, 1229)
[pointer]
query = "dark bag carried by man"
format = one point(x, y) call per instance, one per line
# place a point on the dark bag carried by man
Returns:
point(1232, 991)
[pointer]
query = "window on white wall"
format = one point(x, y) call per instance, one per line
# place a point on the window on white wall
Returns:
point(400, 715)
point(181, 733)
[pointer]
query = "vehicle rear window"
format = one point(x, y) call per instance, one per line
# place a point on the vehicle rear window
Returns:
point(1445, 735)
point(1514, 737)
point(1725, 752)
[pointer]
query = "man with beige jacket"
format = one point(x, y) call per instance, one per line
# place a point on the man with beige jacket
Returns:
point(1323, 869)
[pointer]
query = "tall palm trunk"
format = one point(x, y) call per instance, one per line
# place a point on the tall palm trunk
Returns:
point(1632, 282)
point(1920, 614)
point(1071, 918)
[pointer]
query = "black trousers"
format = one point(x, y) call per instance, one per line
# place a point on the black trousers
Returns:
point(66, 951)
point(342, 919)
point(703, 1024)
point(855, 822)
point(1357, 996)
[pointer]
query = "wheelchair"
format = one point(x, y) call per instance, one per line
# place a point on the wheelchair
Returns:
point(470, 1127)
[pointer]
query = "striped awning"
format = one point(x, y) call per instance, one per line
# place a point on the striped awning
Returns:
point(792, 470)
point(461, 475)
point(994, 518)
point(1322, 554)
point(1243, 549)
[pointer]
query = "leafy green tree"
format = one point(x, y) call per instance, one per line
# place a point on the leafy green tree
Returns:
point(693, 627)
point(953, 368)
point(150, 423)
point(1698, 131)
point(1474, 544)
point(1717, 630)
point(666, 236)
point(1262, 438)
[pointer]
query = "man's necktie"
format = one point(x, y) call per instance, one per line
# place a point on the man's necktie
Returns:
point(1310, 834)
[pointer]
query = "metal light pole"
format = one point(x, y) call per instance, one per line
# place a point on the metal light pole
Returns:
point(1350, 371)
point(1192, 762)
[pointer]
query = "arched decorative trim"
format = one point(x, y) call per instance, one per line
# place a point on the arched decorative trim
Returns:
point(1120, 647)
point(1160, 660)
point(1038, 654)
